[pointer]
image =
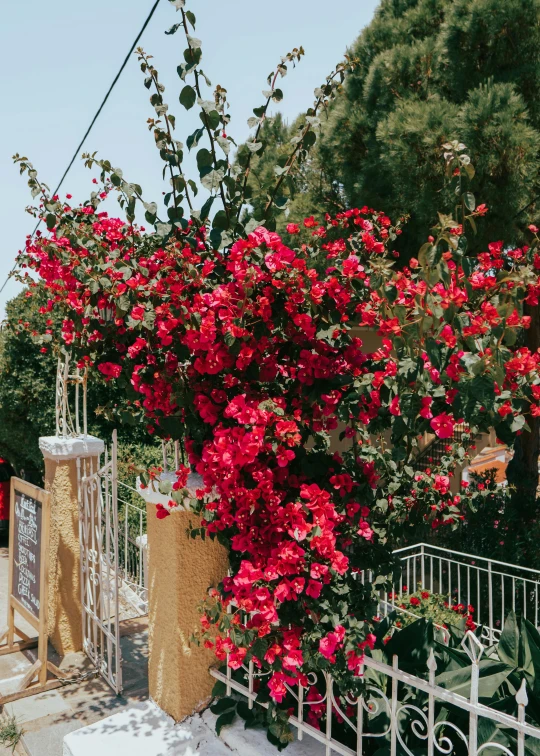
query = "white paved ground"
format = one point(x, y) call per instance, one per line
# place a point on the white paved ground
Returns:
point(145, 730)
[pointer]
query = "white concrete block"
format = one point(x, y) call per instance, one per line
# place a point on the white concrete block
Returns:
point(61, 449)
point(144, 730)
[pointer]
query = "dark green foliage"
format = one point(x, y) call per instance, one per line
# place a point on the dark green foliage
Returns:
point(427, 73)
point(495, 527)
point(27, 391)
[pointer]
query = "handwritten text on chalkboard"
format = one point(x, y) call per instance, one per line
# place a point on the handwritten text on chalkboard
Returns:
point(27, 552)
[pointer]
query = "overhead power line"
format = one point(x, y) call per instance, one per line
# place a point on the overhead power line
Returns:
point(94, 119)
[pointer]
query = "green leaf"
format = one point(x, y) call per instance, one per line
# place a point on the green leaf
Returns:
point(193, 139)
point(50, 220)
point(493, 673)
point(470, 201)
point(220, 220)
point(224, 144)
point(219, 689)
point(244, 711)
point(223, 704)
point(163, 228)
point(188, 97)
point(469, 170)
point(518, 423)
point(225, 719)
point(212, 179)
point(205, 209)
point(204, 158)
point(123, 303)
point(508, 648)
point(210, 118)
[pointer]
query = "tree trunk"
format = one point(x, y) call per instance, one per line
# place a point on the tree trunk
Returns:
point(522, 471)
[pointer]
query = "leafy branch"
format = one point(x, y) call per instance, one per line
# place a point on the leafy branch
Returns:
point(171, 150)
point(129, 192)
point(211, 169)
point(272, 95)
point(307, 137)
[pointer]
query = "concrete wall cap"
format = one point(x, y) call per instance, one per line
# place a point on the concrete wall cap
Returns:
point(59, 449)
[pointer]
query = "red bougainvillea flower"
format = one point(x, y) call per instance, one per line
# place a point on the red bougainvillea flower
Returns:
point(259, 358)
point(110, 369)
point(443, 425)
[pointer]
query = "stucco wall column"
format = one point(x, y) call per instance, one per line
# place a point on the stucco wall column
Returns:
point(181, 570)
point(62, 458)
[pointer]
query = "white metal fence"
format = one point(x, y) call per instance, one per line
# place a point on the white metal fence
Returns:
point(386, 715)
point(494, 588)
point(132, 548)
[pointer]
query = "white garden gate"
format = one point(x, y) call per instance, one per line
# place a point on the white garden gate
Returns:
point(100, 574)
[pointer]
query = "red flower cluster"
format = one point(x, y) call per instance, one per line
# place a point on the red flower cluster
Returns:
point(255, 358)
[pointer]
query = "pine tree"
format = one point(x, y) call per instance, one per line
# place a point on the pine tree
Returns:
point(430, 72)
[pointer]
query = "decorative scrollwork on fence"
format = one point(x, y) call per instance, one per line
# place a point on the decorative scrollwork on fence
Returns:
point(407, 727)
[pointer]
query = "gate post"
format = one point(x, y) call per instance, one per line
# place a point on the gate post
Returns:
point(180, 570)
point(65, 460)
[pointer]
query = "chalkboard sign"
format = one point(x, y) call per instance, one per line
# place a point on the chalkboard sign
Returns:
point(27, 532)
point(28, 586)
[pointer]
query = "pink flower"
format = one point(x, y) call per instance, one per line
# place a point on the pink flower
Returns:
point(314, 589)
point(425, 410)
point(236, 659)
point(161, 512)
point(284, 456)
point(137, 313)
point(394, 407)
point(293, 660)
point(443, 425)
point(110, 369)
point(355, 662)
point(277, 684)
point(137, 347)
point(327, 645)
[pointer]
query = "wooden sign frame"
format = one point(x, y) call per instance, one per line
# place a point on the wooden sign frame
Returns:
point(41, 666)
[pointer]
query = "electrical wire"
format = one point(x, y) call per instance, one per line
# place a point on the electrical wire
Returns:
point(94, 119)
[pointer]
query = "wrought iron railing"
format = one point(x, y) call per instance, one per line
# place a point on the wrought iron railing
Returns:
point(492, 587)
point(132, 547)
point(385, 716)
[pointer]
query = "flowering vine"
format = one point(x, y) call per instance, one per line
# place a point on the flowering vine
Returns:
point(251, 353)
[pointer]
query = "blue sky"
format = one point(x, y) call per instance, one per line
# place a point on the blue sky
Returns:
point(60, 58)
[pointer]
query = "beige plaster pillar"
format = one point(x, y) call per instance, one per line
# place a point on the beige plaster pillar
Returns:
point(181, 570)
point(63, 457)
